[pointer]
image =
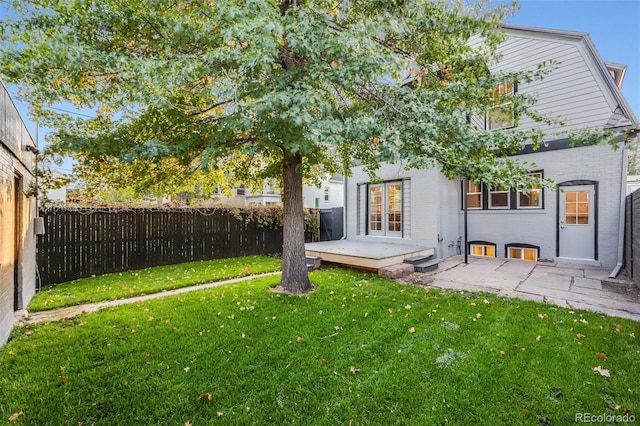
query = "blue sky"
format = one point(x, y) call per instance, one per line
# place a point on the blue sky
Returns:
point(614, 27)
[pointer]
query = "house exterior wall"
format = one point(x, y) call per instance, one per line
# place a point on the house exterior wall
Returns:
point(429, 209)
point(580, 92)
point(336, 195)
point(15, 161)
point(538, 227)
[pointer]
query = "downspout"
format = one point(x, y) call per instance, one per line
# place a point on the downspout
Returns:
point(623, 193)
point(466, 223)
point(344, 209)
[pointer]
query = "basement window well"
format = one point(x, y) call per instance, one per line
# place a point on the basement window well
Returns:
point(522, 251)
point(482, 248)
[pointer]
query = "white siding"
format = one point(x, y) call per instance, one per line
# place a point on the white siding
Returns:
point(574, 91)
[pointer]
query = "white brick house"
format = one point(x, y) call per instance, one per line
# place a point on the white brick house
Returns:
point(17, 212)
point(580, 223)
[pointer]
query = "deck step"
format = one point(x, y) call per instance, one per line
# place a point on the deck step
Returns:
point(418, 259)
point(313, 262)
point(428, 266)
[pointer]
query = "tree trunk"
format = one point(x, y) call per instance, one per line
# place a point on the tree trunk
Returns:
point(295, 278)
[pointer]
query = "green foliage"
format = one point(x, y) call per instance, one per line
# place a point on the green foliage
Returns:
point(206, 83)
point(271, 216)
point(360, 349)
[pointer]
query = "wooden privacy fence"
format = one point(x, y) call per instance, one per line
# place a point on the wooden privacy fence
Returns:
point(632, 236)
point(80, 242)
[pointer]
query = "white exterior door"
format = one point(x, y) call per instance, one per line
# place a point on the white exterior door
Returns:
point(577, 222)
point(385, 209)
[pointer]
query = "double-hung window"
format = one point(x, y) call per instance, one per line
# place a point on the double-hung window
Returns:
point(501, 115)
point(485, 197)
point(474, 195)
point(532, 198)
point(385, 209)
point(498, 198)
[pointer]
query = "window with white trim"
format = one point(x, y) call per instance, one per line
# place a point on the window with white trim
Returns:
point(384, 210)
point(482, 249)
point(532, 198)
point(501, 115)
point(523, 253)
point(474, 195)
point(499, 199)
point(326, 194)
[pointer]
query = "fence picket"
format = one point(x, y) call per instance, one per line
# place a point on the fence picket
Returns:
point(79, 242)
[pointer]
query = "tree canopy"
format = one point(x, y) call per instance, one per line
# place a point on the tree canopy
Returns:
point(297, 85)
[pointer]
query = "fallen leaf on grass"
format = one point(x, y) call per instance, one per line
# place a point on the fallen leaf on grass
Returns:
point(580, 336)
point(186, 369)
point(187, 423)
point(323, 361)
point(407, 307)
point(205, 395)
point(618, 328)
point(542, 316)
point(601, 355)
point(538, 338)
point(412, 330)
point(526, 412)
point(298, 339)
point(14, 416)
point(602, 371)
point(220, 414)
point(63, 379)
point(354, 370)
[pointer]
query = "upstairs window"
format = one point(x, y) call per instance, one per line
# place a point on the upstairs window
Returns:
point(501, 115)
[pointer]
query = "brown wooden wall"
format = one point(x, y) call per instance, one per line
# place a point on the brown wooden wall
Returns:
point(80, 243)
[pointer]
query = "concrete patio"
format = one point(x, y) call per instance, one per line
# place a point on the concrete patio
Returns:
point(571, 286)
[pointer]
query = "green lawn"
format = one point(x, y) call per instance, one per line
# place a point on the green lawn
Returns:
point(360, 350)
point(147, 281)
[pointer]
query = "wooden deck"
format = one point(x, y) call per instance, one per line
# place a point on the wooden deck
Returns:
point(365, 254)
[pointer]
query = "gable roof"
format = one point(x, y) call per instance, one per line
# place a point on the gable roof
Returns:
point(611, 73)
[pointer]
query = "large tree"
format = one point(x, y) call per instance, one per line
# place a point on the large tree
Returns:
point(300, 84)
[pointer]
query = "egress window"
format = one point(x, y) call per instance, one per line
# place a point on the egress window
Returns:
point(523, 252)
point(482, 248)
